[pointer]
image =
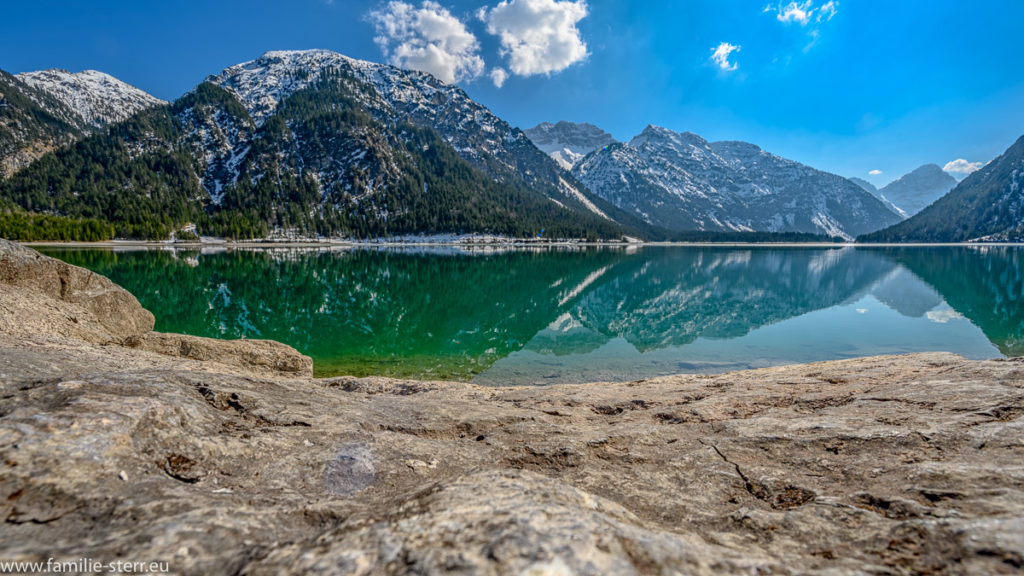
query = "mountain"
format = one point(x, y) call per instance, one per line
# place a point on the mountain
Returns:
point(874, 192)
point(863, 184)
point(315, 143)
point(29, 127)
point(987, 206)
point(42, 111)
point(917, 189)
point(94, 98)
point(567, 142)
point(679, 181)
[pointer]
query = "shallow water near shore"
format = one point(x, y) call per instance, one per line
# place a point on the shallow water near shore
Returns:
point(581, 315)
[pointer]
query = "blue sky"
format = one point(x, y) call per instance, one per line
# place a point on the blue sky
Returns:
point(849, 86)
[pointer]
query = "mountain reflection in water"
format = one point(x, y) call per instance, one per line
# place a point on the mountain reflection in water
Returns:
point(544, 316)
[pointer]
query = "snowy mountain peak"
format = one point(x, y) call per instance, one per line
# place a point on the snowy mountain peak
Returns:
point(567, 142)
point(681, 142)
point(263, 83)
point(96, 99)
point(681, 182)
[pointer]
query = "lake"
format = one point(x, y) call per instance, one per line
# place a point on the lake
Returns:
point(581, 315)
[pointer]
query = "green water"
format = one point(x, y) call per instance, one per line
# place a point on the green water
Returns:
point(537, 317)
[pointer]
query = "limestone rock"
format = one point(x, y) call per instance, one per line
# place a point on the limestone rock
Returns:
point(259, 355)
point(100, 310)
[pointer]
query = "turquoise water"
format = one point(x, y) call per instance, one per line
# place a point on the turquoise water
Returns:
point(538, 317)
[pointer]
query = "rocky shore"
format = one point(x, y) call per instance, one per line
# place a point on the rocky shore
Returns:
point(217, 457)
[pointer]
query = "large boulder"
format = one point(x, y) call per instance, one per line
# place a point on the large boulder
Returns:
point(44, 296)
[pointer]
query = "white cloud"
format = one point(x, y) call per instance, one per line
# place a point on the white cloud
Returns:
point(720, 56)
point(794, 12)
point(537, 36)
point(961, 166)
point(875, 173)
point(427, 38)
point(498, 76)
point(827, 11)
point(803, 13)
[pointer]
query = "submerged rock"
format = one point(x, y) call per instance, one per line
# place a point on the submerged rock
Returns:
point(174, 452)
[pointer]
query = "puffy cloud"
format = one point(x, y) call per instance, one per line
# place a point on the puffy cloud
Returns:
point(498, 76)
point(537, 36)
point(803, 13)
point(961, 166)
point(794, 12)
point(875, 173)
point(427, 38)
point(720, 56)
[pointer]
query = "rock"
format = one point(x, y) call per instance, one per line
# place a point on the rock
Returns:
point(44, 298)
point(264, 356)
point(883, 465)
point(99, 310)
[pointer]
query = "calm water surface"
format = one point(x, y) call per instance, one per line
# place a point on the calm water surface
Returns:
point(538, 317)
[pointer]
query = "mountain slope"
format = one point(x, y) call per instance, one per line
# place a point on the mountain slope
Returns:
point(679, 181)
point(29, 126)
point(917, 189)
point(567, 142)
point(314, 143)
point(863, 184)
point(95, 98)
point(404, 96)
point(988, 205)
point(42, 111)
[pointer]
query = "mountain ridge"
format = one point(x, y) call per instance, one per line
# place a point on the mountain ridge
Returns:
point(680, 181)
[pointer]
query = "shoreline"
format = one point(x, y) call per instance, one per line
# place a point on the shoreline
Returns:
point(512, 244)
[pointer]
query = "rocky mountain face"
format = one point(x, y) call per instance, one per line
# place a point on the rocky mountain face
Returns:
point(113, 437)
point(42, 111)
point(29, 129)
point(987, 206)
point(680, 181)
point(917, 189)
point(567, 142)
point(94, 98)
point(316, 143)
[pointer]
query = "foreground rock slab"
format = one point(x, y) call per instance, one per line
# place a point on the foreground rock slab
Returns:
point(884, 465)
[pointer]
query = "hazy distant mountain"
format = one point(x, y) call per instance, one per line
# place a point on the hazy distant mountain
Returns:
point(680, 181)
point(566, 142)
point(863, 184)
point(915, 190)
point(987, 206)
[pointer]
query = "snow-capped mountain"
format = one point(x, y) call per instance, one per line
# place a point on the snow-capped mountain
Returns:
point(917, 189)
point(987, 206)
point(27, 129)
point(96, 99)
point(395, 96)
point(567, 142)
point(42, 111)
point(680, 181)
point(316, 143)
